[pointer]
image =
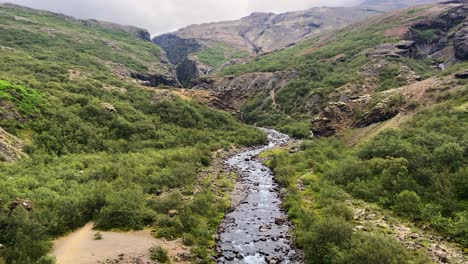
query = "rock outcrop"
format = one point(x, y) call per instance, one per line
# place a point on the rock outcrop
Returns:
point(366, 110)
point(233, 91)
point(256, 34)
point(401, 49)
point(155, 80)
point(177, 48)
point(263, 32)
point(11, 147)
point(442, 36)
point(460, 42)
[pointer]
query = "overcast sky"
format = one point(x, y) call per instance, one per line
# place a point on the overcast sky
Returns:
point(161, 16)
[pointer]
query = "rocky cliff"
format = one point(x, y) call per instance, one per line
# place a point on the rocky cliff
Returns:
point(260, 33)
point(256, 34)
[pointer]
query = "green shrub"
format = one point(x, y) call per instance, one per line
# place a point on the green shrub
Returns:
point(159, 254)
point(408, 204)
point(320, 243)
point(370, 249)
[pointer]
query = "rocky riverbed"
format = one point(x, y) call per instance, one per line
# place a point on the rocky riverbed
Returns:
point(257, 231)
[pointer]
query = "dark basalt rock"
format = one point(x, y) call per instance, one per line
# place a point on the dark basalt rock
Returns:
point(404, 48)
point(462, 75)
point(177, 48)
point(154, 80)
point(442, 41)
point(187, 71)
point(377, 115)
point(25, 203)
point(460, 42)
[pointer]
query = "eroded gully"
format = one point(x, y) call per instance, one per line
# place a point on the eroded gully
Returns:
point(257, 231)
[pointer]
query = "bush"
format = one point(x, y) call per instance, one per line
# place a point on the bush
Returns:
point(320, 243)
point(124, 209)
point(370, 249)
point(159, 254)
point(408, 204)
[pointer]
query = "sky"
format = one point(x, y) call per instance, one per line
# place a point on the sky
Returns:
point(162, 16)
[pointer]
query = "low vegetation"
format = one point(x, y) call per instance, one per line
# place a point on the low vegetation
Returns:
point(159, 254)
point(418, 172)
point(101, 148)
point(219, 54)
point(323, 66)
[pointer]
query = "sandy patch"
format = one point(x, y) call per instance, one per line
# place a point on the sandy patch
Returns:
point(80, 247)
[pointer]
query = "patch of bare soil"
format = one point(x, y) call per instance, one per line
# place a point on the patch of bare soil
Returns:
point(81, 247)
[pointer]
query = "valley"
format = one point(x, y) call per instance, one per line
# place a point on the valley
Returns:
point(329, 135)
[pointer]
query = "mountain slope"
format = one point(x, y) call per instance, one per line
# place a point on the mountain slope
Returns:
point(198, 50)
point(90, 131)
point(211, 45)
point(385, 5)
point(381, 53)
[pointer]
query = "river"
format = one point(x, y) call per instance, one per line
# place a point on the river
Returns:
point(257, 231)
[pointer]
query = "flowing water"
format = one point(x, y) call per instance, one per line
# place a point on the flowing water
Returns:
point(257, 230)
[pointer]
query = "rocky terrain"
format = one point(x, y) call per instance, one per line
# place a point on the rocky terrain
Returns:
point(437, 35)
point(370, 218)
point(258, 34)
point(11, 147)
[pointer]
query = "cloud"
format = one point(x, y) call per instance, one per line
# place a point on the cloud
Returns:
point(160, 16)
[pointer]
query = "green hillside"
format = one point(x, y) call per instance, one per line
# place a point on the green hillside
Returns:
point(97, 144)
point(332, 64)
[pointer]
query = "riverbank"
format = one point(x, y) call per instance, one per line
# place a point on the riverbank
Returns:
point(257, 230)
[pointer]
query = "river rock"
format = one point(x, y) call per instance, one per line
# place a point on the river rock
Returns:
point(462, 75)
point(172, 213)
point(280, 220)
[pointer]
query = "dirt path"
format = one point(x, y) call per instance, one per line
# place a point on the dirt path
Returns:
point(80, 247)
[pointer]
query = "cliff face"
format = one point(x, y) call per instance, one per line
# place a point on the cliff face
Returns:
point(260, 33)
point(256, 34)
point(264, 32)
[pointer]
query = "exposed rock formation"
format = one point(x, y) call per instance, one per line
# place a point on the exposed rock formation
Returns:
point(155, 80)
point(443, 36)
point(373, 108)
point(234, 90)
point(263, 32)
point(256, 34)
point(401, 49)
point(25, 203)
point(11, 147)
point(177, 48)
point(460, 42)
